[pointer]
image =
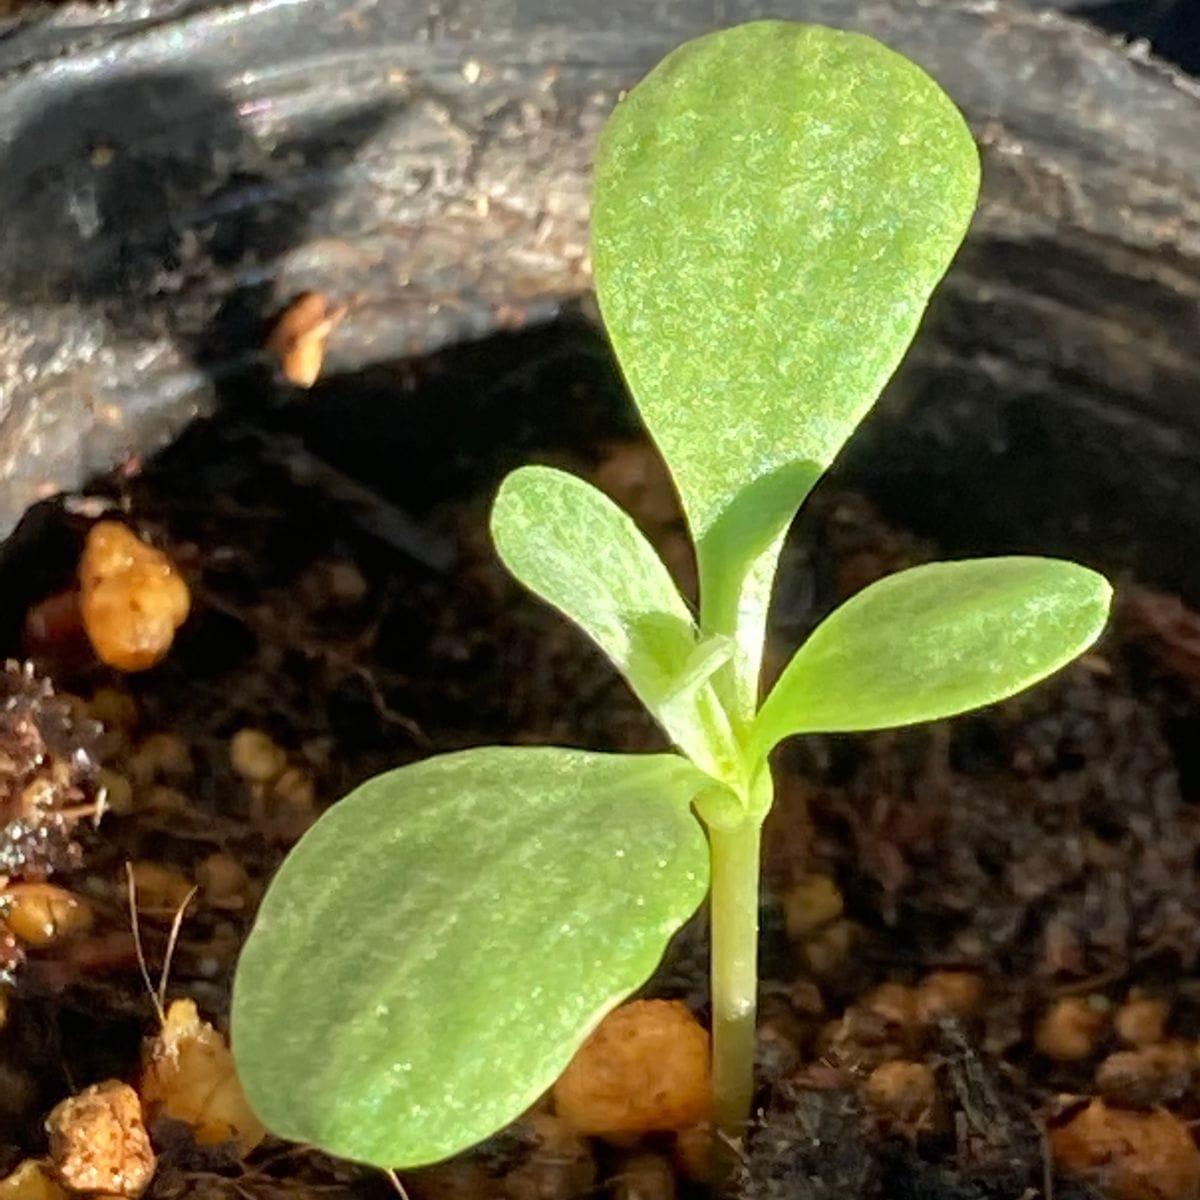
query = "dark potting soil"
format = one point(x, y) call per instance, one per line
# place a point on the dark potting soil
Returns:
point(1049, 845)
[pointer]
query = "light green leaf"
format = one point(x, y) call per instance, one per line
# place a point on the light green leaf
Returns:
point(569, 543)
point(934, 641)
point(438, 945)
point(709, 656)
point(773, 205)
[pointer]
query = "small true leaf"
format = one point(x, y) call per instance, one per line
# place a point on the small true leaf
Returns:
point(569, 543)
point(438, 945)
point(933, 641)
point(773, 205)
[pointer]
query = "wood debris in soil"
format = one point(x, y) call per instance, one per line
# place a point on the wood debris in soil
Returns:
point(300, 334)
point(941, 901)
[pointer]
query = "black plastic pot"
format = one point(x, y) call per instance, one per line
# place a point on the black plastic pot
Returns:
point(172, 171)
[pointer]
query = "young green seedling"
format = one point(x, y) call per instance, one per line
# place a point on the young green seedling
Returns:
point(773, 206)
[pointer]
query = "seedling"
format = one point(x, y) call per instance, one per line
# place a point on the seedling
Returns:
point(773, 206)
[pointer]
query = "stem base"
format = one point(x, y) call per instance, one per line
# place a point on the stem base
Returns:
point(734, 908)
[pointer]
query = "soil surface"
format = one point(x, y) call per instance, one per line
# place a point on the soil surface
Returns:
point(1044, 851)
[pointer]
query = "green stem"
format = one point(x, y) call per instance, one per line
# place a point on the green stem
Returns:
point(734, 906)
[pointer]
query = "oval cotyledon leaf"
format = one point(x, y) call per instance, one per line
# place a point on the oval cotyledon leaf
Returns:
point(773, 205)
point(439, 944)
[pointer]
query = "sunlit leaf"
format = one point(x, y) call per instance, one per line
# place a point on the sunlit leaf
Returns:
point(934, 641)
point(569, 543)
point(773, 205)
point(437, 946)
